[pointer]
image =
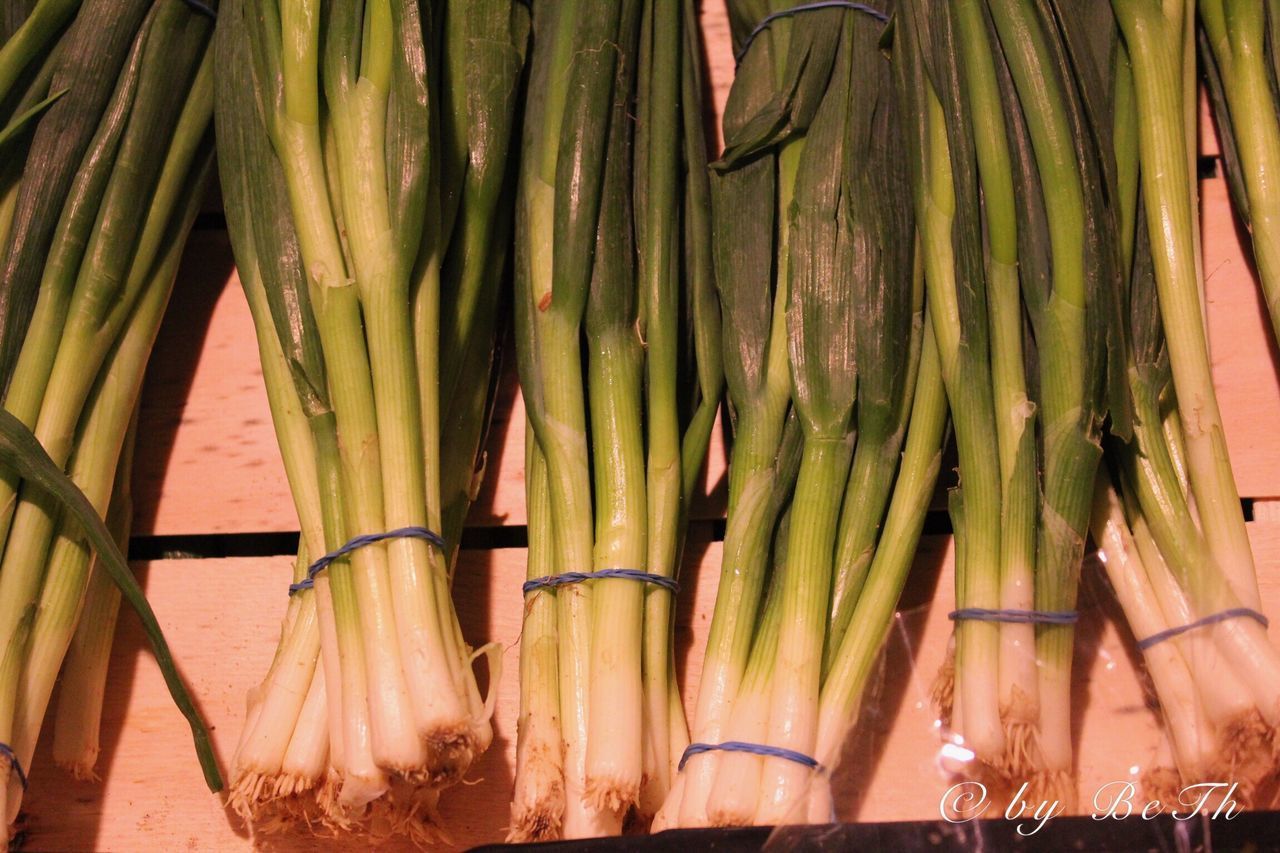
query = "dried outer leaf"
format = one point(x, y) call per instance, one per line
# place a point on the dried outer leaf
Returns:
point(492, 54)
point(579, 167)
point(743, 252)
point(94, 49)
point(410, 142)
point(883, 232)
point(825, 263)
point(1087, 38)
point(811, 52)
point(1150, 356)
point(613, 299)
point(580, 162)
point(933, 21)
point(259, 218)
point(543, 26)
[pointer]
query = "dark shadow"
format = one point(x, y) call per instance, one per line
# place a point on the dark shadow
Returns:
point(481, 513)
point(697, 543)
point(205, 273)
point(892, 679)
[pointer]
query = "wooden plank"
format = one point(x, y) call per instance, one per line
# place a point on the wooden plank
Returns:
point(152, 797)
point(1246, 364)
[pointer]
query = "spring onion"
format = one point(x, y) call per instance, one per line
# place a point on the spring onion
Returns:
point(365, 175)
point(1217, 683)
point(613, 252)
point(822, 391)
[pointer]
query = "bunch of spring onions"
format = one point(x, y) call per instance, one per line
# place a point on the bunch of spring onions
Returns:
point(363, 155)
point(831, 369)
point(1238, 48)
point(1015, 223)
point(613, 251)
point(108, 148)
point(1168, 519)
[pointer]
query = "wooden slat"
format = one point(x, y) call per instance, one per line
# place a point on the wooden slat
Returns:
point(1246, 366)
point(222, 618)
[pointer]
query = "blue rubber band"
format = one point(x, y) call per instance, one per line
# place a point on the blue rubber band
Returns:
point(1020, 617)
point(1211, 619)
point(6, 751)
point(202, 8)
point(753, 748)
point(806, 7)
point(359, 542)
point(552, 581)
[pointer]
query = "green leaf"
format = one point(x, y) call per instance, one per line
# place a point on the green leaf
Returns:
point(21, 122)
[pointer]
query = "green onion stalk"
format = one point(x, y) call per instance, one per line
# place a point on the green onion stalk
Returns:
point(1073, 297)
point(1217, 684)
point(945, 192)
point(1156, 35)
point(87, 274)
point(1050, 255)
point(846, 300)
point(364, 165)
point(1237, 46)
point(613, 252)
point(753, 300)
point(82, 687)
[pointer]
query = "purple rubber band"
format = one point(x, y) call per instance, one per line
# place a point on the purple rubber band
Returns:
point(806, 7)
point(6, 751)
point(1021, 617)
point(551, 581)
point(1211, 619)
point(359, 542)
point(753, 748)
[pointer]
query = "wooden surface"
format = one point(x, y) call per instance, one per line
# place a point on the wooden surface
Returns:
point(221, 617)
point(208, 464)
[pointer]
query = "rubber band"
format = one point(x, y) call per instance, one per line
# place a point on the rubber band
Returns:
point(552, 581)
point(1019, 617)
point(752, 748)
point(202, 8)
point(6, 751)
point(1211, 619)
point(806, 7)
point(358, 542)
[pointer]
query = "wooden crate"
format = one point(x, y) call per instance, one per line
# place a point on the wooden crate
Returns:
point(208, 472)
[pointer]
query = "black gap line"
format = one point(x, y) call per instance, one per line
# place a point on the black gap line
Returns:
point(212, 546)
point(202, 546)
